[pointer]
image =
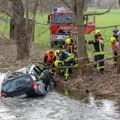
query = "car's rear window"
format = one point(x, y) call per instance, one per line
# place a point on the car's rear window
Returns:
point(15, 83)
point(6, 85)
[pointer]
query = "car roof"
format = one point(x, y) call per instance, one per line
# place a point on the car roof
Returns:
point(22, 72)
point(12, 75)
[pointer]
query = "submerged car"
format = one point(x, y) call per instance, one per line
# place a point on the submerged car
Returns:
point(32, 81)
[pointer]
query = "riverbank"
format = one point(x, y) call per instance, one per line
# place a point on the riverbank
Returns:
point(101, 85)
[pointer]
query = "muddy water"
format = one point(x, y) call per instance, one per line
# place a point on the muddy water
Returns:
point(55, 106)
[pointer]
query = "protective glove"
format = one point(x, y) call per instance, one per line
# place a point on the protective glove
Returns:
point(60, 63)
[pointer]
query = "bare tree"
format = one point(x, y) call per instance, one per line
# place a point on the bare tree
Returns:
point(21, 36)
point(22, 28)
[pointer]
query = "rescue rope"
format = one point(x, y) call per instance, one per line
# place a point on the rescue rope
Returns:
point(89, 64)
point(69, 66)
point(91, 56)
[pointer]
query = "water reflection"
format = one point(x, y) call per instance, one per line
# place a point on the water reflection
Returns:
point(58, 107)
point(109, 109)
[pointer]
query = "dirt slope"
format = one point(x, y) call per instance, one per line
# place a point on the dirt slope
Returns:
point(107, 85)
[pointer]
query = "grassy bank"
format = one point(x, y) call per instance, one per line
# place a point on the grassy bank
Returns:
point(42, 32)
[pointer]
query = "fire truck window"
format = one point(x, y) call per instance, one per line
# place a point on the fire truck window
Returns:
point(63, 19)
point(64, 32)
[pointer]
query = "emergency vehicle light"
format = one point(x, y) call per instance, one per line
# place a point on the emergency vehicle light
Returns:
point(54, 9)
point(60, 9)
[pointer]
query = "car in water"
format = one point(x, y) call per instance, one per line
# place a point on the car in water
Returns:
point(32, 81)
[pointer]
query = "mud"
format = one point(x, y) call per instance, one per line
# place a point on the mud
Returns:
point(102, 85)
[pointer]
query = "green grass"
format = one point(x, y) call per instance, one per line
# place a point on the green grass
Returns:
point(42, 32)
point(4, 26)
point(108, 19)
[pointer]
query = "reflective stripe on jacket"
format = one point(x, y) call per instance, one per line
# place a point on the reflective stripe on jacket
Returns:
point(101, 49)
point(98, 46)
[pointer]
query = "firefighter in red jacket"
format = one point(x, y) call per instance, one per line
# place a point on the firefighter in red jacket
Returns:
point(116, 33)
point(70, 46)
point(49, 57)
point(115, 48)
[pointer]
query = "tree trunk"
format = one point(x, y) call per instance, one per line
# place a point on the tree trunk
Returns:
point(23, 41)
point(118, 65)
point(118, 59)
point(81, 48)
point(85, 5)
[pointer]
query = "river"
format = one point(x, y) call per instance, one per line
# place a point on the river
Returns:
point(55, 106)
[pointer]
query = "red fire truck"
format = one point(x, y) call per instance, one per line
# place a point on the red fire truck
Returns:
point(61, 21)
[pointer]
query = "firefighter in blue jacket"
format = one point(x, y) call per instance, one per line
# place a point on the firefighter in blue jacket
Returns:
point(68, 59)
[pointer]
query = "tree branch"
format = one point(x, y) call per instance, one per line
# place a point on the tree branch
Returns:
point(97, 13)
point(67, 4)
point(35, 9)
point(107, 26)
point(4, 11)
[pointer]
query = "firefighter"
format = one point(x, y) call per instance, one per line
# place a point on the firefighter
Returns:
point(115, 33)
point(67, 59)
point(70, 46)
point(49, 57)
point(99, 35)
point(60, 70)
point(98, 52)
point(97, 32)
point(115, 48)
